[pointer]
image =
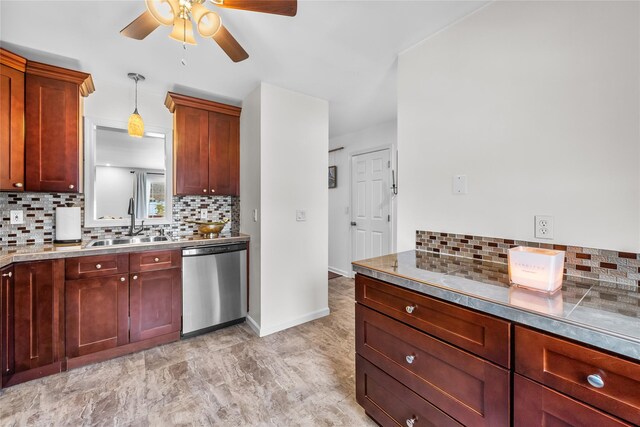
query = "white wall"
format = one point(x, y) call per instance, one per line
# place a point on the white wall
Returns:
point(293, 143)
point(538, 103)
point(380, 135)
point(250, 195)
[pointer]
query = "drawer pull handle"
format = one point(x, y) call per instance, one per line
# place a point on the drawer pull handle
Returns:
point(411, 421)
point(9, 274)
point(135, 277)
point(410, 358)
point(156, 259)
point(122, 279)
point(410, 308)
point(98, 266)
point(595, 380)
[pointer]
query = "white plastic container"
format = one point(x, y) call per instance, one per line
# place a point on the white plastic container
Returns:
point(536, 269)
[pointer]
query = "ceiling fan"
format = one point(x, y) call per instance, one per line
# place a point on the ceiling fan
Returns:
point(179, 13)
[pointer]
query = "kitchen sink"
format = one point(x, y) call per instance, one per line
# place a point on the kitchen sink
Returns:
point(127, 241)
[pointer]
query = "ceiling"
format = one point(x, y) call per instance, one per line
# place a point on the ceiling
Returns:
point(342, 51)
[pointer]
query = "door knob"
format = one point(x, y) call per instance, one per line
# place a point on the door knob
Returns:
point(353, 223)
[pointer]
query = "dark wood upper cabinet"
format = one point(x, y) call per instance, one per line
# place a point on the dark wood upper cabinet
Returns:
point(191, 151)
point(224, 154)
point(38, 317)
point(155, 303)
point(97, 314)
point(53, 117)
point(12, 69)
point(206, 146)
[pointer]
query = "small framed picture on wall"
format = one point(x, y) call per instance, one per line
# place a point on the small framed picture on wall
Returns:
point(333, 176)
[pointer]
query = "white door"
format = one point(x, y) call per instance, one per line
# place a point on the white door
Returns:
point(370, 205)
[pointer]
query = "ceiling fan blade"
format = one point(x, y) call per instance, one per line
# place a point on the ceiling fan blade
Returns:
point(230, 45)
point(278, 7)
point(141, 27)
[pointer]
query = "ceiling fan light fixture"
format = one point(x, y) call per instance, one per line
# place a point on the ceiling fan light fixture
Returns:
point(135, 126)
point(208, 22)
point(183, 31)
point(164, 11)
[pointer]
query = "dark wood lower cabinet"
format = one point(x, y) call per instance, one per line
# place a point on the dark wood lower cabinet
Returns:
point(536, 405)
point(37, 320)
point(155, 303)
point(390, 403)
point(97, 314)
point(6, 322)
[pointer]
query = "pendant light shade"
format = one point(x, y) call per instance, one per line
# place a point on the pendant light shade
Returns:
point(136, 125)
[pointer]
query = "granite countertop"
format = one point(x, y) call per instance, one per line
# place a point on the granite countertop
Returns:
point(23, 253)
point(601, 314)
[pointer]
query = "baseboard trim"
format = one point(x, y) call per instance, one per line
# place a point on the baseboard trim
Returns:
point(268, 330)
point(253, 325)
point(340, 272)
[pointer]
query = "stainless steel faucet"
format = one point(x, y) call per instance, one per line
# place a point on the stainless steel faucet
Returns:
point(132, 214)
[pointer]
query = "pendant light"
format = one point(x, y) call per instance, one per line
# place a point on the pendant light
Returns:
point(136, 125)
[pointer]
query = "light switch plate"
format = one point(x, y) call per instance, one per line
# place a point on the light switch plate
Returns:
point(301, 215)
point(203, 214)
point(460, 184)
point(17, 217)
point(255, 215)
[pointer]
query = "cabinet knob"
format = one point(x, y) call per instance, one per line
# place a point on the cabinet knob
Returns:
point(135, 277)
point(9, 274)
point(122, 279)
point(213, 191)
point(595, 380)
point(156, 259)
point(18, 185)
point(98, 266)
point(410, 358)
point(411, 421)
point(71, 187)
point(204, 190)
point(410, 308)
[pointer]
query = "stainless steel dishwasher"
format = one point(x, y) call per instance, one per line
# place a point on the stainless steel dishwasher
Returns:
point(214, 287)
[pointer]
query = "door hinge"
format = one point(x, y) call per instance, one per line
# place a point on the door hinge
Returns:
point(388, 164)
point(388, 218)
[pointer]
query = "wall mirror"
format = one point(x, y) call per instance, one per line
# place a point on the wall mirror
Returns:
point(119, 167)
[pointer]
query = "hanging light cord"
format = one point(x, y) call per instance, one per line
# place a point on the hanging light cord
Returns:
point(136, 111)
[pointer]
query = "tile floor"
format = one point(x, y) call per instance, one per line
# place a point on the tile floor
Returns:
point(303, 376)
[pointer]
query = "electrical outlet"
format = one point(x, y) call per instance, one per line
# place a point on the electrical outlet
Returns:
point(543, 227)
point(301, 215)
point(17, 217)
point(203, 214)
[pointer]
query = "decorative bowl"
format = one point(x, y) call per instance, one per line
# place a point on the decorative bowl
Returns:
point(210, 229)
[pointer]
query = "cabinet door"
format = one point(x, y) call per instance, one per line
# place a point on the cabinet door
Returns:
point(11, 129)
point(6, 321)
point(224, 154)
point(38, 293)
point(191, 151)
point(97, 314)
point(155, 303)
point(52, 138)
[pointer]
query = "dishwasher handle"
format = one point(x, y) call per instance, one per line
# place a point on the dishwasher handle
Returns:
point(215, 249)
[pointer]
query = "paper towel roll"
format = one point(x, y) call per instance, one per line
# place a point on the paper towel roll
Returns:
point(68, 225)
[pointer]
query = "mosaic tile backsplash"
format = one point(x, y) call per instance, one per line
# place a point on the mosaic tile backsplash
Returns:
point(599, 264)
point(39, 217)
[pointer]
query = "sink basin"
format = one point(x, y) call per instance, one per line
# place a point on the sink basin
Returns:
point(127, 241)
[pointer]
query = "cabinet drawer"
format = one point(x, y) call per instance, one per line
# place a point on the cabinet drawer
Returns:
point(565, 366)
point(472, 390)
point(483, 335)
point(96, 266)
point(535, 405)
point(392, 404)
point(155, 260)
